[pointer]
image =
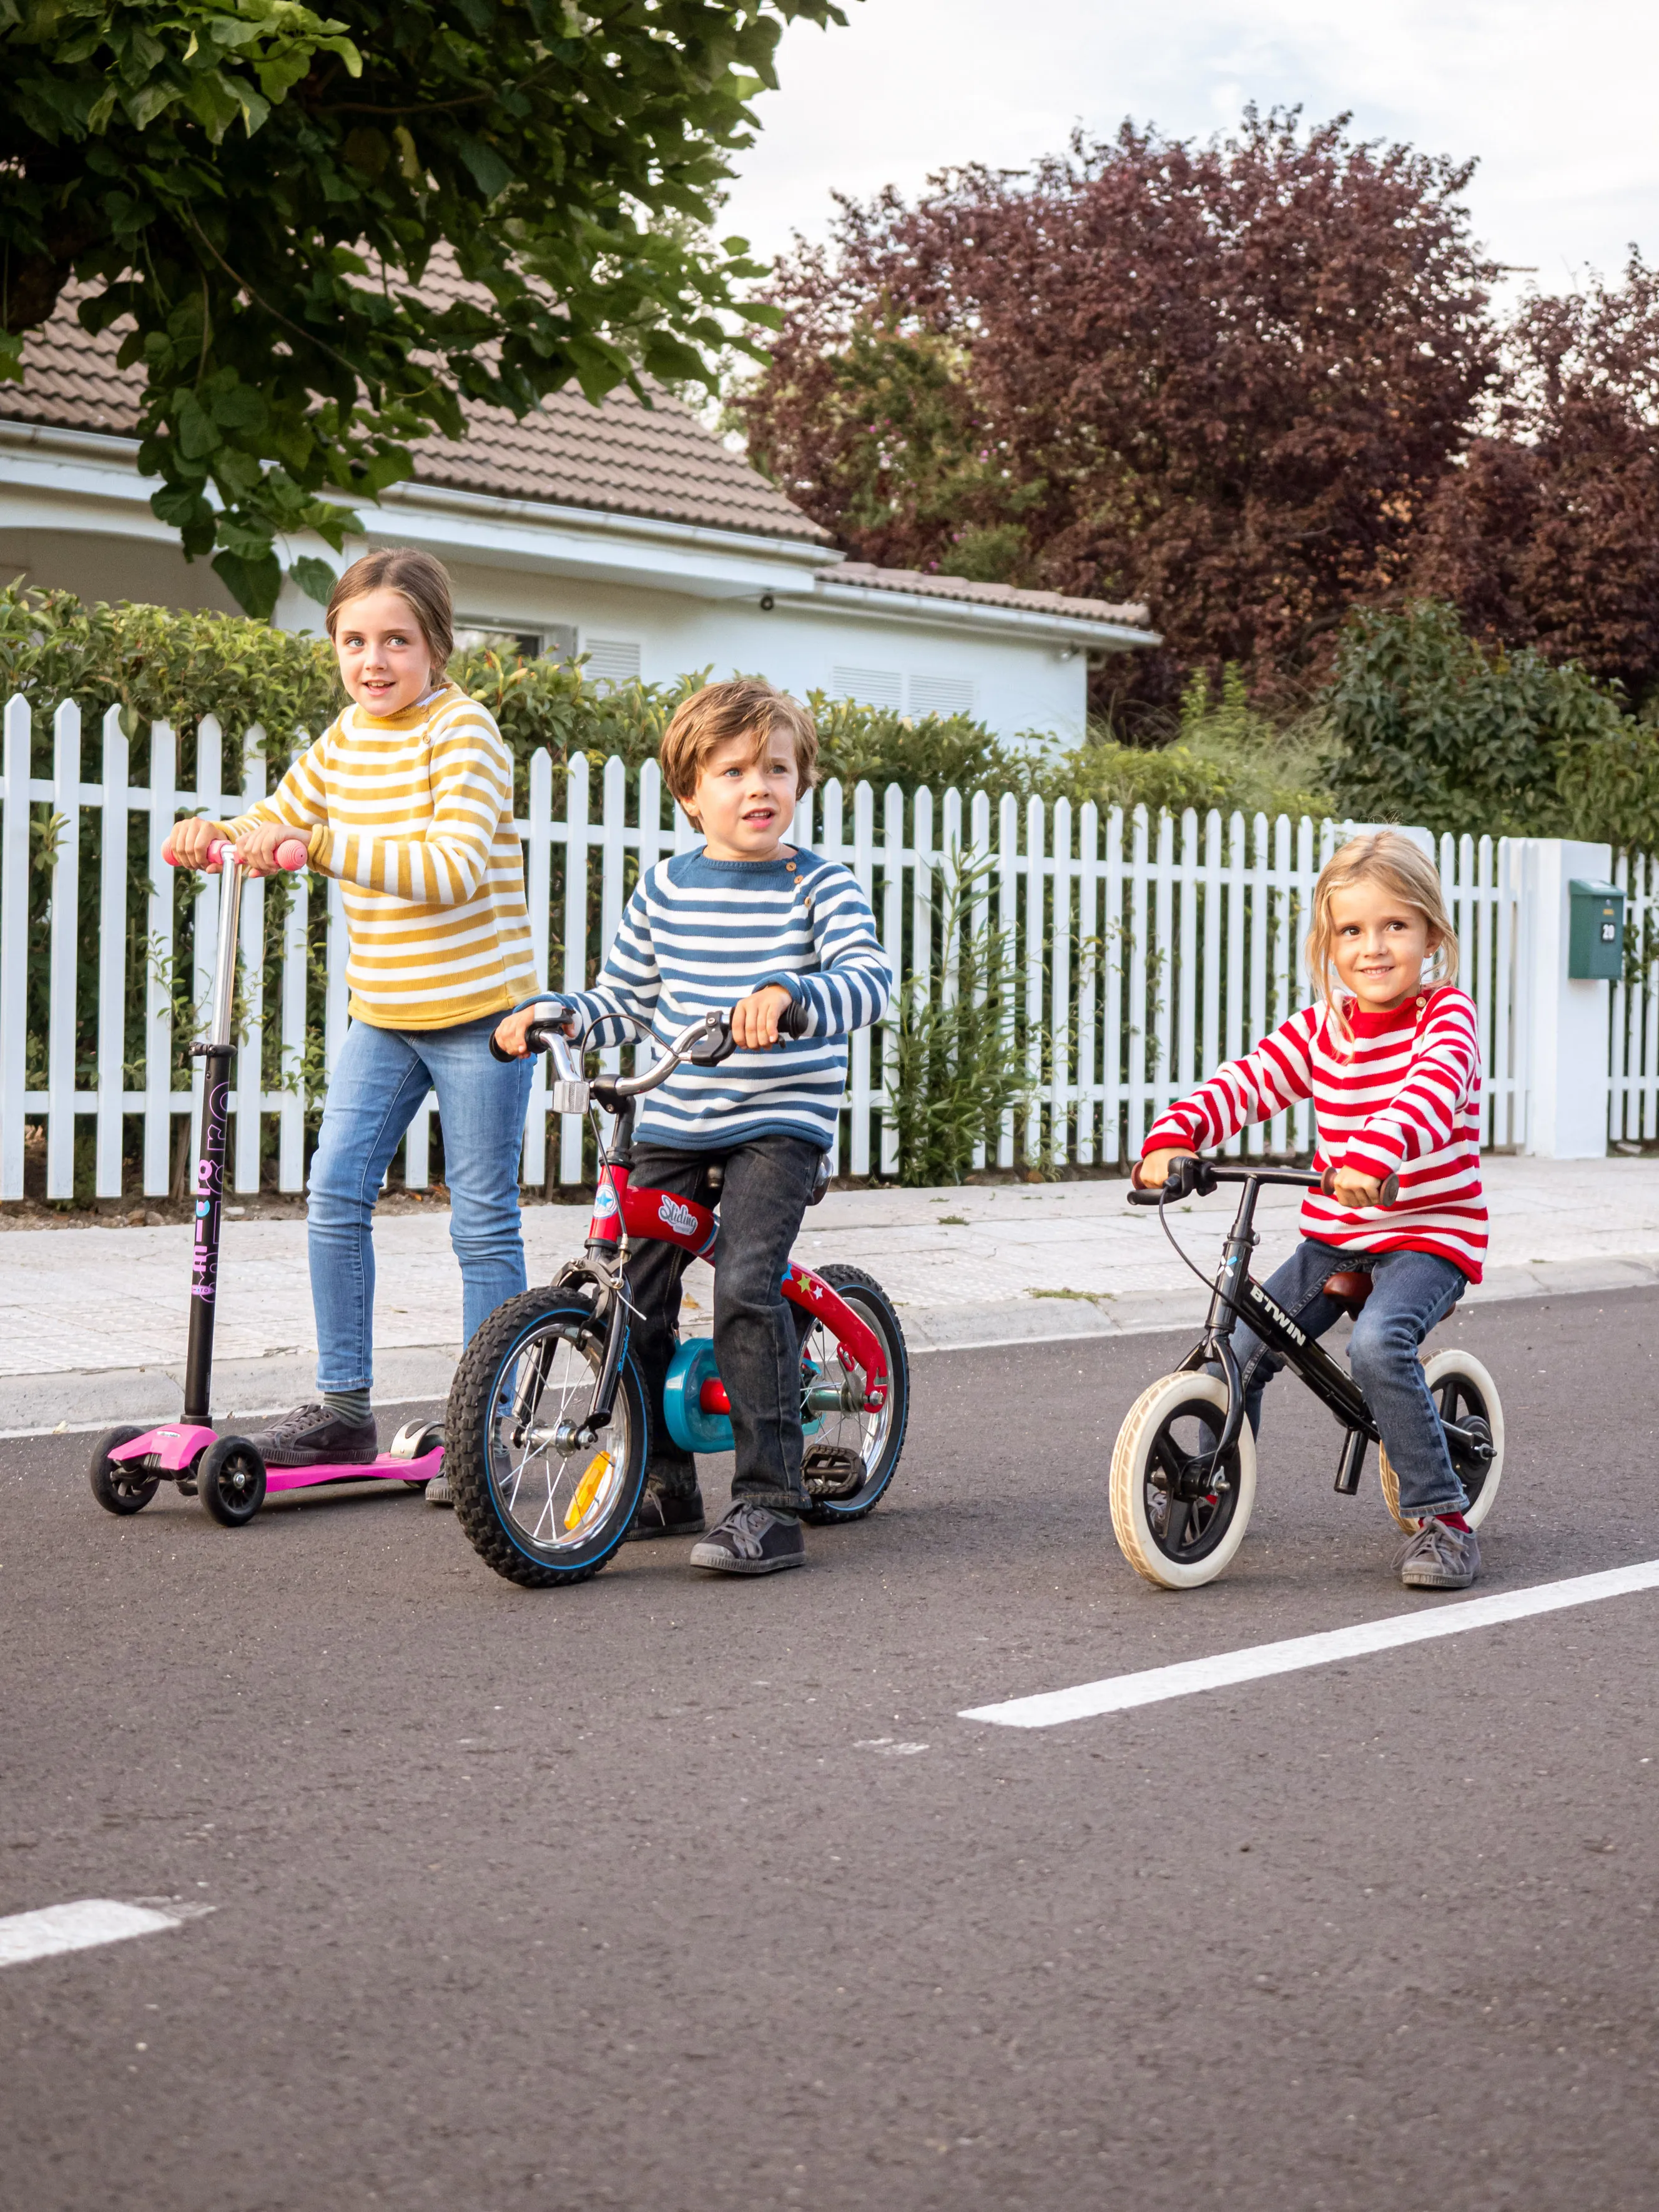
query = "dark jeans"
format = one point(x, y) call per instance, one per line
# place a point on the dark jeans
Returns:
point(1410, 1291)
point(767, 1182)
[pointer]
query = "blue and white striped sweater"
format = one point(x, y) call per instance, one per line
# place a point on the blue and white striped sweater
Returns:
point(701, 933)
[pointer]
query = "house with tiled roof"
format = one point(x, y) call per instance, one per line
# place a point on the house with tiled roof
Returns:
point(627, 533)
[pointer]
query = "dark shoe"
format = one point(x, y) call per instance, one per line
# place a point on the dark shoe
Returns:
point(312, 1436)
point(439, 1493)
point(661, 1515)
point(1439, 1557)
point(751, 1540)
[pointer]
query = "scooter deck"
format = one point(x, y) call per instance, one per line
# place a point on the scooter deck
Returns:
point(384, 1469)
point(174, 1449)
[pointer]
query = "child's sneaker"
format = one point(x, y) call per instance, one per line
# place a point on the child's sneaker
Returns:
point(439, 1491)
point(752, 1540)
point(661, 1514)
point(1439, 1557)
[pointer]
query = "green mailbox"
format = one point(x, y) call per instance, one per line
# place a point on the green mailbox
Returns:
point(1596, 939)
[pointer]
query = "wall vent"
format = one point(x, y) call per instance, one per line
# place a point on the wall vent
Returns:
point(870, 687)
point(941, 694)
point(611, 659)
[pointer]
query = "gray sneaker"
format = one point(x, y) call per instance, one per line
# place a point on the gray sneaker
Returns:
point(438, 1491)
point(751, 1540)
point(1439, 1557)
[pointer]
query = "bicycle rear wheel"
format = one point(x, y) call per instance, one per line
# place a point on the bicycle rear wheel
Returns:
point(851, 1457)
point(538, 1514)
point(1465, 1394)
point(1179, 1522)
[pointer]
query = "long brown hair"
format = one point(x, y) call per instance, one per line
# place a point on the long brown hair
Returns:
point(1381, 856)
point(414, 576)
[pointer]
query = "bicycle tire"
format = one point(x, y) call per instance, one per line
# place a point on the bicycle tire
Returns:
point(1455, 1371)
point(1173, 1397)
point(865, 1294)
point(573, 1552)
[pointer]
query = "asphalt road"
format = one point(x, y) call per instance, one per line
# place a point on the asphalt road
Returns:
point(627, 1896)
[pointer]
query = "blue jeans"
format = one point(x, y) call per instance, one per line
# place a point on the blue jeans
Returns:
point(382, 1078)
point(1410, 1291)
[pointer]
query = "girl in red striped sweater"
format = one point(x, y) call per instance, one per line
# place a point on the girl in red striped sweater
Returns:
point(1391, 1058)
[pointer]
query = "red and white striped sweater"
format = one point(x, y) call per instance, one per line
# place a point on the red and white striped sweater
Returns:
point(1401, 1097)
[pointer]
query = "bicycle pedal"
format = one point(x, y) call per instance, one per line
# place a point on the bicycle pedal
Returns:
point(830, 1471)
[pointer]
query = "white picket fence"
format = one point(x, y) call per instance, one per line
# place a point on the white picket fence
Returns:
point(1149, 951)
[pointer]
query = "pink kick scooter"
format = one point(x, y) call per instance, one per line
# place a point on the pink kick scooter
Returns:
point(129, 1465)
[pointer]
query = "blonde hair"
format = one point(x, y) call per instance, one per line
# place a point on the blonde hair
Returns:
point(1380, 856)
point(415, 577)
point(745, 707)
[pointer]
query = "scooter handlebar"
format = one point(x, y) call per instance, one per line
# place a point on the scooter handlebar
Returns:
point(291, 854)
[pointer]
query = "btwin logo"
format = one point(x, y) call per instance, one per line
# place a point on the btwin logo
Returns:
point(678, 1217)
point(1296, 1335)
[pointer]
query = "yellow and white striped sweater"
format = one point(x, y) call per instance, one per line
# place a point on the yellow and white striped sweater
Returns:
point(413, 812)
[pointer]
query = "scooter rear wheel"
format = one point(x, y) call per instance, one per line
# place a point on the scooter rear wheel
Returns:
point(118, 1488)
point(538, 1514)
point(1463, 1391)
point(230, 1481)
point(1172, 1531)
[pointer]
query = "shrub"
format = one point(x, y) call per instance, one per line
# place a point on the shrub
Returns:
point(1434, 728)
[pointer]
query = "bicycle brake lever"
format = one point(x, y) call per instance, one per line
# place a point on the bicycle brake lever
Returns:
point(718, 1045)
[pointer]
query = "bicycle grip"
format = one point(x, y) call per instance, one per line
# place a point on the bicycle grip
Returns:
point(536, 1038)
point(1145, 1197)
point(792, 1021)
point(1390, 1187)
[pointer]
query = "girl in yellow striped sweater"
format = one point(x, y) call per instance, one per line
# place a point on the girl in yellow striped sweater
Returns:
point(408, 800)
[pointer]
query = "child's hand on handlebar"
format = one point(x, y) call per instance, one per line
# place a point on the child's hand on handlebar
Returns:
point(256, 848)
point(755, 1019)
point(190, 843)
point(1353, 1190)
point(513, 1030)
point(1154, 1170)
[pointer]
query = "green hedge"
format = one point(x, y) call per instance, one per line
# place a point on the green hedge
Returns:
point(159, 664)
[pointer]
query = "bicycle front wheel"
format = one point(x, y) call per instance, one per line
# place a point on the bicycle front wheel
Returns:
point(537, 1514)
point(1178, 1518)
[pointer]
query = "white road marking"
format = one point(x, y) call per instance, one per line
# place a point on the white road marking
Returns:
point(1120, 1691)
point(84, 1924)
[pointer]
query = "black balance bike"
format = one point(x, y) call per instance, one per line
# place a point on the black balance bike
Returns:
point(1183, 1471)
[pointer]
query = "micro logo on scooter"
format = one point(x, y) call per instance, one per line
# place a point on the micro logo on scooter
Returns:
point(680, 1218)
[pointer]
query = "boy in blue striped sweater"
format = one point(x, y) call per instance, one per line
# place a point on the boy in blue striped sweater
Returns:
point(752, 924)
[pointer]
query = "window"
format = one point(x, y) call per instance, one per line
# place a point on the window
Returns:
point(870, 687)
point(611, 659)
point(557, 640)
point(941, 694)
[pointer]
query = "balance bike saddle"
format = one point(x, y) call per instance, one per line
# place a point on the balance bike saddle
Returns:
point(1350, 1289)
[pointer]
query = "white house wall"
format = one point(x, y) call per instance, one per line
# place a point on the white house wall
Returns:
point(75, 515)
point(1015, 685)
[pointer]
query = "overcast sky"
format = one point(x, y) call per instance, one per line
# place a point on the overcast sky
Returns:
point(1558, 101)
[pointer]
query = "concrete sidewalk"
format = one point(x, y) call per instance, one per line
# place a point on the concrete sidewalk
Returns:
point(92, 1321)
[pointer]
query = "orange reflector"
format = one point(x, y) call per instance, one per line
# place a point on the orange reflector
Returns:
point(587, 1489)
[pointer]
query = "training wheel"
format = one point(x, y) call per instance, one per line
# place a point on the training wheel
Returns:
point(230, 1480)
point(119, 1488)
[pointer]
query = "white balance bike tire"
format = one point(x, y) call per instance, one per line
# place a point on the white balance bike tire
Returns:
point(1211, 1529)
point(1462, 1387)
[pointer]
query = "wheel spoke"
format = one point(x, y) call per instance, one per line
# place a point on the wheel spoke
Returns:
point(1175, 1533)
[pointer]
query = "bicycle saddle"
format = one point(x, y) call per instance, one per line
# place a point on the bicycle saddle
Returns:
point(1350, 1289)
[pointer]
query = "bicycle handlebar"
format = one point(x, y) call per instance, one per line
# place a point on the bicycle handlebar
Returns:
point(711, 1030)
point(1191, 1175)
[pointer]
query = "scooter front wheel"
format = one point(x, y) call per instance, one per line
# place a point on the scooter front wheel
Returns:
point(540, 1510)
point(1178, 1519)
point(230, 1481)
point(119, 1488)
point(1465, 1397)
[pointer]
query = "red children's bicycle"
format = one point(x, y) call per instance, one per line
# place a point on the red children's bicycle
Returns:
point(547, 1434)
